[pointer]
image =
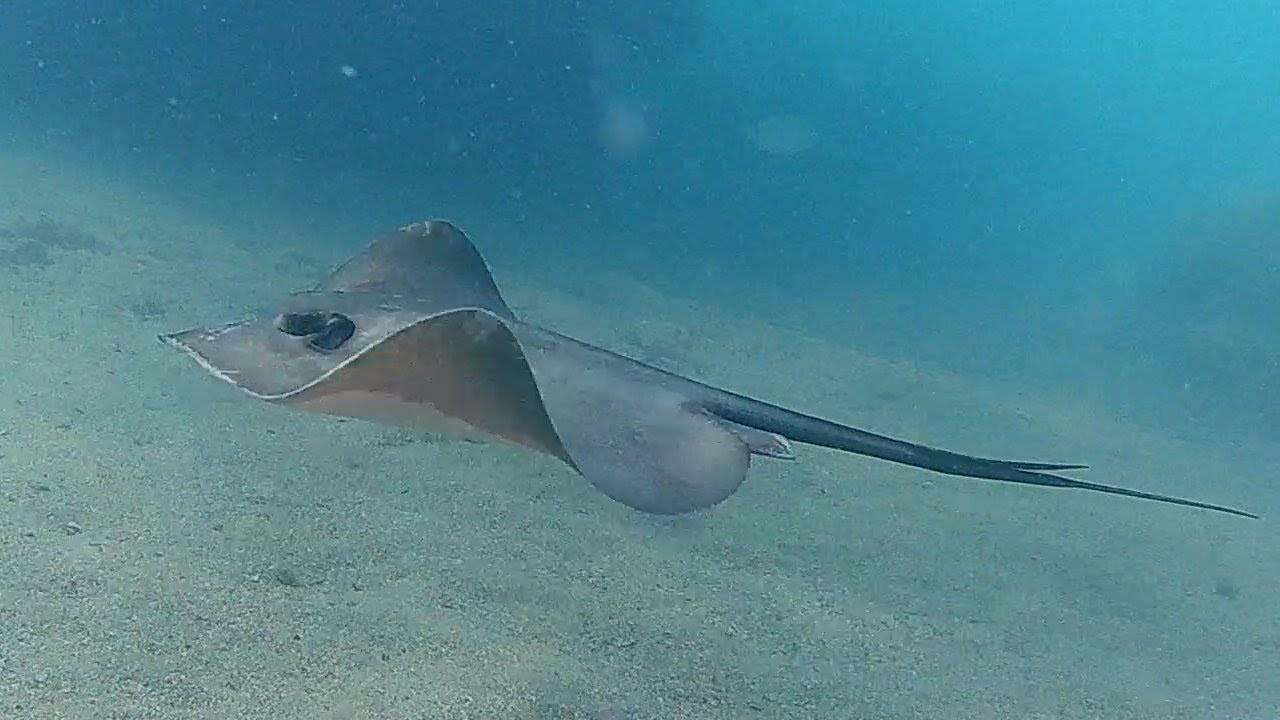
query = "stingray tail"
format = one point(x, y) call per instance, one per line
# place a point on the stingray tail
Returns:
point(816, 431)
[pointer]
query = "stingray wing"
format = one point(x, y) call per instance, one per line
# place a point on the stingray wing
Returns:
point(459, 371)
point(415, 272)
point(429, 263)
point(634, 431)
point(254, 355)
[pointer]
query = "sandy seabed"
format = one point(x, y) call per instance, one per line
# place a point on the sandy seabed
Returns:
point(171, 549)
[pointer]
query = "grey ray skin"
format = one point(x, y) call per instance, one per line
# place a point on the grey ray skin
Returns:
point(413, 332)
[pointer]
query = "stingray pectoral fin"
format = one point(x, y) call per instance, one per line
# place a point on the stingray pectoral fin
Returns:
point(459, 372)
point(816, 431)
point(637, 441)
point(653, 455)
point(648, 451)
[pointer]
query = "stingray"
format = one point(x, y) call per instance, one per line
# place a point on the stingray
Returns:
point(413, 332)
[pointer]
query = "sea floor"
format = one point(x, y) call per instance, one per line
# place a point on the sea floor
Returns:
point(170, 548)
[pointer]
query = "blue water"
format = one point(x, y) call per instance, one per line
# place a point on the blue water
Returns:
point(1051, 167)
point(1081, 196)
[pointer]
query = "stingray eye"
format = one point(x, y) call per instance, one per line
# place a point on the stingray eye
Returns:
point(300, 324)
point(337, 330)
point(325, 332)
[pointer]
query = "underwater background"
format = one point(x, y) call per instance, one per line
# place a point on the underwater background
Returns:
point(1044, 230)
